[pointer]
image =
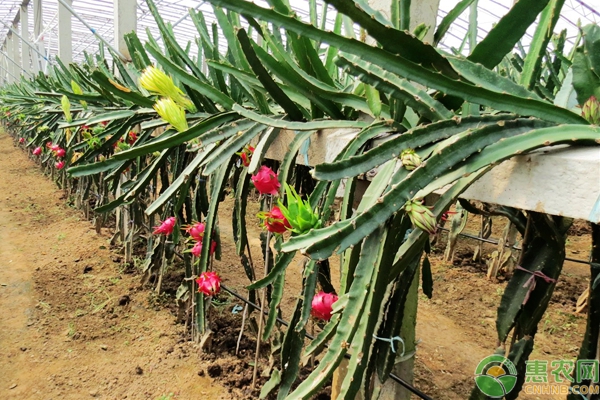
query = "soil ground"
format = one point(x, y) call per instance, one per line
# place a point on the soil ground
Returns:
point(76, 324)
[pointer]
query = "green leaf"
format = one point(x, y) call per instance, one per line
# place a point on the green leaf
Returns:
point(297, 126)
point(507, 32)
point(193, 132)
point(121, 91)
point(393, 40)
point(449, 19)
point(539, 43)
point(320, 243)
point(274, 90)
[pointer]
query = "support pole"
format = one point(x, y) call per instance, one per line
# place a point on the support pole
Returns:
point(25, 54)
point(13, 31)
point(38, 26)
point(125, 22)
point(65, 33)
point(9, 51)
point(16, 51)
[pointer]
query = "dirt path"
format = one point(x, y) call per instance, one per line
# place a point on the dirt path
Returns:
point(63, 334)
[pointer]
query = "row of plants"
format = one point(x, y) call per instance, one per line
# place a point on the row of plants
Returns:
point(157, 141)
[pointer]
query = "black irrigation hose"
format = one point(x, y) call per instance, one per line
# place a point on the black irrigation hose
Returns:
point(492, 241)
point(394, 377)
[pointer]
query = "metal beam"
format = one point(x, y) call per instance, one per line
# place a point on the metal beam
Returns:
point(65, 37)
point(15, 64)
point(25, 41)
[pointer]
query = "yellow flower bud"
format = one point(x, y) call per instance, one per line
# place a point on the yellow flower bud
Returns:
point(65, 105)
point(156, 81)
point(77, 90)
point(172, 113)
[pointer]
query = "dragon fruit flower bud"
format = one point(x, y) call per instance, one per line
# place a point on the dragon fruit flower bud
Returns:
point(322, 305)
point(209, 283)
point(410, 159)
point(591, 111)
point(421, 216)
point(172, 113)
point(166, 227)
point(65, 105)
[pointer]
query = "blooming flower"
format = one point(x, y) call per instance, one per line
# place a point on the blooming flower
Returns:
point(60, 165)
point(37, 151)
point(266, 181)
point(197, 249)
point(209, 283)
point(322, 305)
point(196, 231)
point(166, 227)
point(274, 220)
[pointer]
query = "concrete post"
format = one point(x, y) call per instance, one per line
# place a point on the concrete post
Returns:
point(38, 27)
point(25, 51)
point(65, 45)
point(9, 51)
point(16, 52)
point(421, 12)
point(125, 22)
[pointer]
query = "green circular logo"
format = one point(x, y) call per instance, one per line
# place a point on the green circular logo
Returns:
point(496, 376)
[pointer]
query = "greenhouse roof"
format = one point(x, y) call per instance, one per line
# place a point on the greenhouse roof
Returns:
point(98, 14)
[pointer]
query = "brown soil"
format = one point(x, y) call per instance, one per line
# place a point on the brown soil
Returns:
point(73, 324)
point(76, 323)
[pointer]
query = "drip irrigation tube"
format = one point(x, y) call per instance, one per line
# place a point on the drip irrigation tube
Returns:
point(394, 377)
point(492, 241)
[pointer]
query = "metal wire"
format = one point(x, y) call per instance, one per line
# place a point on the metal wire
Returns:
point(394, 377)
point(492, 241)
